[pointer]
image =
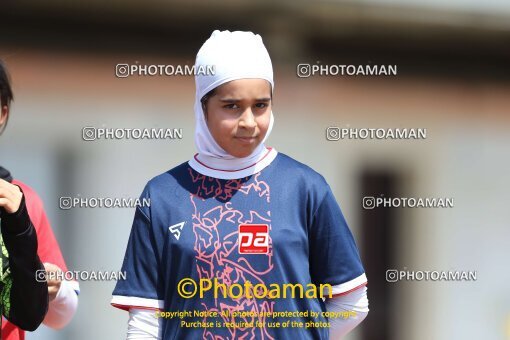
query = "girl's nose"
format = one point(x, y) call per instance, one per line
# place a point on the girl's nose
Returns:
point(247, 119)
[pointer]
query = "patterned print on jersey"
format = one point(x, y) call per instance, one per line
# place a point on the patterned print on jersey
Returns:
point(216, 248)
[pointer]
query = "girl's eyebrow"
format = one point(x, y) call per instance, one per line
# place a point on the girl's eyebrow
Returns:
point(234, 100)
point(229, 100)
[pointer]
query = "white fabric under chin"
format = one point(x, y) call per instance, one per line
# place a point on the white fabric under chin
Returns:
point(205, 169)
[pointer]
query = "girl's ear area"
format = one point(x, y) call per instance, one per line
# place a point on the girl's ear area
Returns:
point(3, 115)
point(204, 109)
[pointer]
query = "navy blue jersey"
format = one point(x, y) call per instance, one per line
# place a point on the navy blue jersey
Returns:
point(279, 226)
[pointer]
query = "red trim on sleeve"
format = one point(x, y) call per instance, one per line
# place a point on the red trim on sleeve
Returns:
point(128, 307)
point(349, 291)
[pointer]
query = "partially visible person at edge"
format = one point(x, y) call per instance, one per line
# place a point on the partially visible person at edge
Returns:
point(62, 294)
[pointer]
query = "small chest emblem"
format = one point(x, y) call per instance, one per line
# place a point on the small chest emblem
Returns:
point(253, 239)
point(176, 229)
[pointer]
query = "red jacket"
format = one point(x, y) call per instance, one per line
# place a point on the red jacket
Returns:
point(48, 248)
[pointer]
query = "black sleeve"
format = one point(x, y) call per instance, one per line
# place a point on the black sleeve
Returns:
point(28, 296)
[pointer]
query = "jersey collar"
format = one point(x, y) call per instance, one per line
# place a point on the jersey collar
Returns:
point(200, 166)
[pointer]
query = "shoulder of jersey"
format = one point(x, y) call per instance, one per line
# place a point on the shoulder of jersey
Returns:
point(170, 177)
point(298, 170)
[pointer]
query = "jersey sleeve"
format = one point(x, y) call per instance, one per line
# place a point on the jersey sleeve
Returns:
point(49, 249)
point(142, 287)
point(334, 257)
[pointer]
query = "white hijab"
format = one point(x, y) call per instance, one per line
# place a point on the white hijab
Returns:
point(234, 55)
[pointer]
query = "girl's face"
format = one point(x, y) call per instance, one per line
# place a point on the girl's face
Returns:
point(238, 115)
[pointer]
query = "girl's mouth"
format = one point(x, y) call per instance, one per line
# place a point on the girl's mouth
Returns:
point(247, 139)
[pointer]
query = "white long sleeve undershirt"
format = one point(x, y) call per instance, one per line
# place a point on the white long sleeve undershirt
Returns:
point(357, 302)
point(62, 309)
point(143, 324)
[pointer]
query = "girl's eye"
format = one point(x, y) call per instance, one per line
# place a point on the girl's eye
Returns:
point(231, 106)
point(261, 105)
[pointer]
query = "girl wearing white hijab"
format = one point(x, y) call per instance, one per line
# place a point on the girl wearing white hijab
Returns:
point(239, 216)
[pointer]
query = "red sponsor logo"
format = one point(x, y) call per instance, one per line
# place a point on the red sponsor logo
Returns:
point(253, 239)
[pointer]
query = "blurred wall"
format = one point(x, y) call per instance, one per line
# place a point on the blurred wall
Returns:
point(61, 88)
